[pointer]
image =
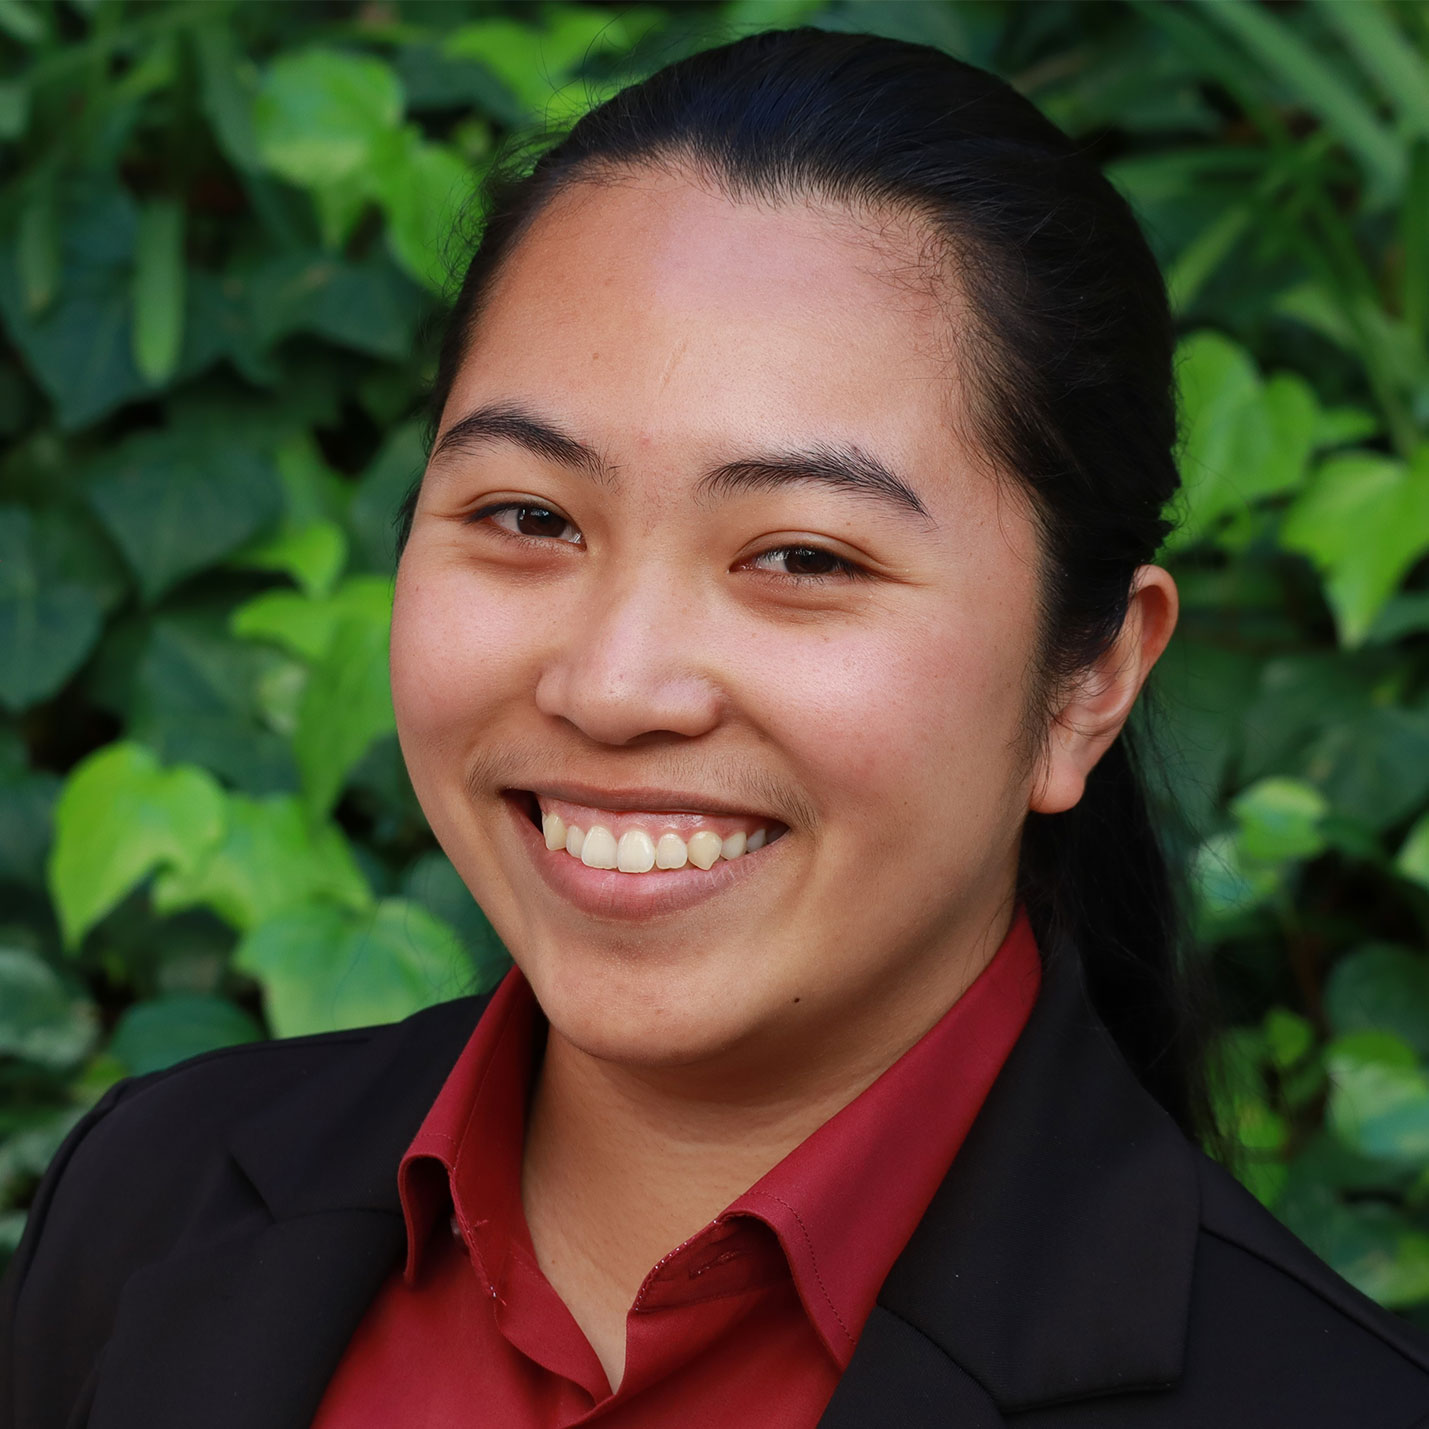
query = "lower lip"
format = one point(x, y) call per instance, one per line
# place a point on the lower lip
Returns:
point(608, 893)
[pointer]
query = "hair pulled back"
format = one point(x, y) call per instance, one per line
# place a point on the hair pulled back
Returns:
point(1067, 356)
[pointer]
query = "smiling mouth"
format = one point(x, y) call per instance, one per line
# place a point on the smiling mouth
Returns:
point(644, 842)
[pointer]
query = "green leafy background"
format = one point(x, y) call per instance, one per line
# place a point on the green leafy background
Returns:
point(225, 230)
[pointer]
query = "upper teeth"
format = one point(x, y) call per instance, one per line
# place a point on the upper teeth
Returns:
point(638, 851)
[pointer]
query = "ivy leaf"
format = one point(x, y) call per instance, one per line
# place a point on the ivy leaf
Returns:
point(319, 113)
point(345, 709)
point(1280, 820)
point(1413, 859)
point(437, 886)
point(1373, 1245)
point(1379, 1097)
point(306, 626)
point(368, 306)
point(177, 500)
point(153, 1035)
point(1245, 439)
point(269, 861)
point(323, 969)
point(27, 804)
point(74, 328)
point(1227, 884)
point(380, 492)
point(47, 626)
point(423, 188)
point(1363, 520)
point(40, 1020)
point(118, 818)
point(1381, 988)
point(195, 695)
point(310, 545)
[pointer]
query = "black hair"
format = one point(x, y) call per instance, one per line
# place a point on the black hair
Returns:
point(1067, 354)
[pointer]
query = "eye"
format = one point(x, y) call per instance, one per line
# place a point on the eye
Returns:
point(529, 522)
point(805, 563)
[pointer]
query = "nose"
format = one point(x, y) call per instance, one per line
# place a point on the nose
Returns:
point(633, 661)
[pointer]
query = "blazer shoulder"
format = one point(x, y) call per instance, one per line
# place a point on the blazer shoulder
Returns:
point(1267, 1309)
point(184, 1109)
point(152, 1166)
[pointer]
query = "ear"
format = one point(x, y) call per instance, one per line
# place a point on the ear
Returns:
point(1098, 704)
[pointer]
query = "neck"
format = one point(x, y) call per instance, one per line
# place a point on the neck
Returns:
point(622, 1164)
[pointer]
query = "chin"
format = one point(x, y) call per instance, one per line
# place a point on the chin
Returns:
point(627, 1011)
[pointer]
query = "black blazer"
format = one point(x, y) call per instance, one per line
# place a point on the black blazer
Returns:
point(209, 1237)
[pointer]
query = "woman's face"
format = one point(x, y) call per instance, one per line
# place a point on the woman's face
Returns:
point(709, 558)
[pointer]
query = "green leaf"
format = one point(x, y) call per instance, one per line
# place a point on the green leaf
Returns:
point(40, 1019)
point(1373, 767)
point(1280, 819)
point(1227, 885)
point(269, 861)
point(194, 694)
point(368, 306)
point(14, 109)
point(307, 625)
point(1381, 988)
point(1244, 439)
point(159, 289)
point(512, 52)
point(27, 804)
point(423, 188)
point(119, 818)
point(177, 500)
point(1386, 53)
point(47, 625)
point(37, 249)
point(1379, 1097)
point(1363, 520)
point(319, 114)
point(437, 886)
point(380, 492)
point(1413, 859)
point(1414, 227)
point(1317, 85)
point(322, 969)
point(309, 546)
point(79, 347)
point(346, 708)
point(313, 555)
point(1289, 1038)
point(1373, 1245)
point(227, 91)
point(153, 1035)
point(20, 22)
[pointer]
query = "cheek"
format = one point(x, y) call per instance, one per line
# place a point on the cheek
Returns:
point(456, 652)
point(900, 717)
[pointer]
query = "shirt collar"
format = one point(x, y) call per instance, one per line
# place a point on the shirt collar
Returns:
point(846, 1200)
point(843, 1203)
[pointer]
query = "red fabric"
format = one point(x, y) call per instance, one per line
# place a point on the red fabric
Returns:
point(751, 1321)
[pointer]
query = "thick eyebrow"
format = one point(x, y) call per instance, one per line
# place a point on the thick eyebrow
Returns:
point(510, 423)
point(843, 468)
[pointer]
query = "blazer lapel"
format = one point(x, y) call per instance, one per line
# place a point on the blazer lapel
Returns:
point(1055, 1261)
point(245, 1327)
point(899, 1376)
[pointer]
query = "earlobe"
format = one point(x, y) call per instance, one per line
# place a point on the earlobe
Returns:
point(1103, 696)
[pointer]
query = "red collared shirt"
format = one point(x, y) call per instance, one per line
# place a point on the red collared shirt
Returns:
point(750, 1322)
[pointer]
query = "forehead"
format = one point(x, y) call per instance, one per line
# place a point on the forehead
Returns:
point(653, 299)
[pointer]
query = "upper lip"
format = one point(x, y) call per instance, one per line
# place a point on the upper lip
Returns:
point(645, 799)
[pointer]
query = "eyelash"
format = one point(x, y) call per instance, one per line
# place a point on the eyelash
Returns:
point(843, 569)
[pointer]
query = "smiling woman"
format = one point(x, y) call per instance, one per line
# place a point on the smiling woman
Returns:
point(767, 623)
